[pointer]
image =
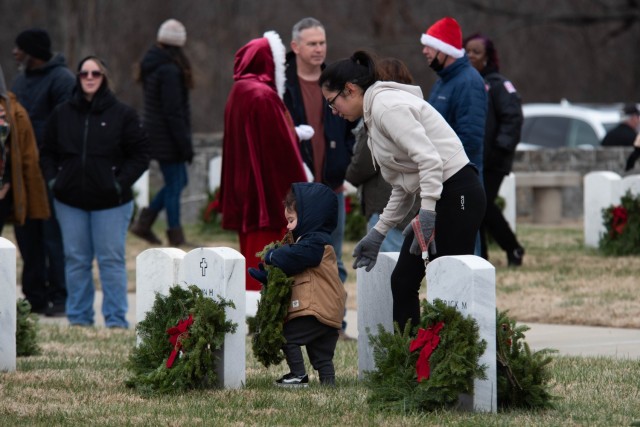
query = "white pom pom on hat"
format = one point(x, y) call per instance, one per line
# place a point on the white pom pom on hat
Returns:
point(446, 36)
point(172, 33)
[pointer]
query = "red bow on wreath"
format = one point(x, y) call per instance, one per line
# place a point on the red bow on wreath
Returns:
point(428, 340)
point(176, 335)
point(619, 221)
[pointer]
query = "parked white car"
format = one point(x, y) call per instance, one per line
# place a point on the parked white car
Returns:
point(566, 125)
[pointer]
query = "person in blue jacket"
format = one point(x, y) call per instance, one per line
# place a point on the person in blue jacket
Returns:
point(459, 95)
point(317, 296)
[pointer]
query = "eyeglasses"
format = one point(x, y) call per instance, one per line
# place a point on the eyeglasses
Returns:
point(333, 100)
point(94, 74)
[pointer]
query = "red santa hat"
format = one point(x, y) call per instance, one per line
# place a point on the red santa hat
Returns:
point(446, 36)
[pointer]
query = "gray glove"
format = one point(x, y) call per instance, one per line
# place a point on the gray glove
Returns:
point(427, 221)
point(366, 251)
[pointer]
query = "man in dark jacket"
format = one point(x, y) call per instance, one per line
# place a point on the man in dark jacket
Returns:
point(327, 152)
point(625, 133)
point(45, 82)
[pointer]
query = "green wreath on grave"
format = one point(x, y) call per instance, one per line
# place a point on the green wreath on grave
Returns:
point(523, 376)
point(450, 348)
point(26, 329)
point(267, 340)
point(622, 225)
point(179, 339)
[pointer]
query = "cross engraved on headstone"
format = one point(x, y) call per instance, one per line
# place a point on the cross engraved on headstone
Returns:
point(203, 266)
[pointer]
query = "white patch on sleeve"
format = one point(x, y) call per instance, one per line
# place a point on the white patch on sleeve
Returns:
point(509, 87)
point(295, 304)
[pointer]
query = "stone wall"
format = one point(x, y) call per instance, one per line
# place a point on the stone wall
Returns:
point(613, 159)
point(568, 159)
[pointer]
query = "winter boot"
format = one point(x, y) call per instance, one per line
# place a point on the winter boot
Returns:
point(176, 237)
point(142, 227)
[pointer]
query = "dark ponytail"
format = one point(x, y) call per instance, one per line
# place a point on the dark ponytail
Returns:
point(359, 69)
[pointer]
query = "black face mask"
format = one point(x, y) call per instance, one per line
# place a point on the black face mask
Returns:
point(436, 65)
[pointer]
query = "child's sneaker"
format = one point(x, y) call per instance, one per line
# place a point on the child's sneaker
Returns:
point(290, 380)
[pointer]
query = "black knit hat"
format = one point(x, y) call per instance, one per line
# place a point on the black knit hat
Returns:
point(35, 42)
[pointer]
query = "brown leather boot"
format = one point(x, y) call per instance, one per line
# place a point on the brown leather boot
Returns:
point(176, 237)
point(142, 227)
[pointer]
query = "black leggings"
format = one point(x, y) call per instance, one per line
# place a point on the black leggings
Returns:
point(460, 211)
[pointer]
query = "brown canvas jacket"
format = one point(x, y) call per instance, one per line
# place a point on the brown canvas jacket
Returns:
point(319, 292)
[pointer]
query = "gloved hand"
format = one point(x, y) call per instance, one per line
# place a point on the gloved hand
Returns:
point(304, 132)
point(260, 274)
point(427, 225)
point(366, 251)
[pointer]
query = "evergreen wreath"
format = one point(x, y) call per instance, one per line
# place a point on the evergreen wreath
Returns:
point(26, 329)
point(273, 307)
point(523, 377)
point(195, 366)
point(453, 363)
point(622, 224)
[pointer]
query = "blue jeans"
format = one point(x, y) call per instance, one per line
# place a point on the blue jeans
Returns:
point(101, 235)
point(175, 180)
point(393, 241)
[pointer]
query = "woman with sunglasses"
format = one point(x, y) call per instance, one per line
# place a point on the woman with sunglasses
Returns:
point(417, 152)
point(94, 150)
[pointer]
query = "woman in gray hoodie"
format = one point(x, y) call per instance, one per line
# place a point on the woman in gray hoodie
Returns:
point(417, 153)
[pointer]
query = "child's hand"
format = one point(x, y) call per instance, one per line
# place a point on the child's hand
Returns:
point(260, 274)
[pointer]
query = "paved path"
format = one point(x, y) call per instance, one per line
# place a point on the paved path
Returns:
point(567, 339)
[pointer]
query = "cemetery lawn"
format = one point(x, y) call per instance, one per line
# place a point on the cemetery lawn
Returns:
point(79, 380)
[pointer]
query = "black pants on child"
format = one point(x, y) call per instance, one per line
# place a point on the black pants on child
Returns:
point(459, 213)
point(320, 340)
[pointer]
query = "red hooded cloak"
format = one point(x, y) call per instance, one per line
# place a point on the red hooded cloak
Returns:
point(260, 157)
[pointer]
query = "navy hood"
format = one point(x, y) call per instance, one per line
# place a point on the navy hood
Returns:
point(317, 208)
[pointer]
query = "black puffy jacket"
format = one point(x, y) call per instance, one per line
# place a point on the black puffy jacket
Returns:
point(167, 113)
point(504, 122)
point(93, 152)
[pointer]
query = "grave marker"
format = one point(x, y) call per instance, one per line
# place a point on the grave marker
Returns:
point(601, 189)
point(467, 282)
point(220, 272)
point(157, 270)
point(8, 312)
point(375, 306)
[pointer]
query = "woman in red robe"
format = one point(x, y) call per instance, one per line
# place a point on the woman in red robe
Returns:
point(260, 157)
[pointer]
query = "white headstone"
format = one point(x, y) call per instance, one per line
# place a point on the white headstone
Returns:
point(157, 270)
point(508, 193)
point(375, 306)
point(141, 190)
point(215, 172)
point(220, 273)
point(7, 306)
point(630, 183)
point(468, 283)
point(601, 190)
point(252, 299)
